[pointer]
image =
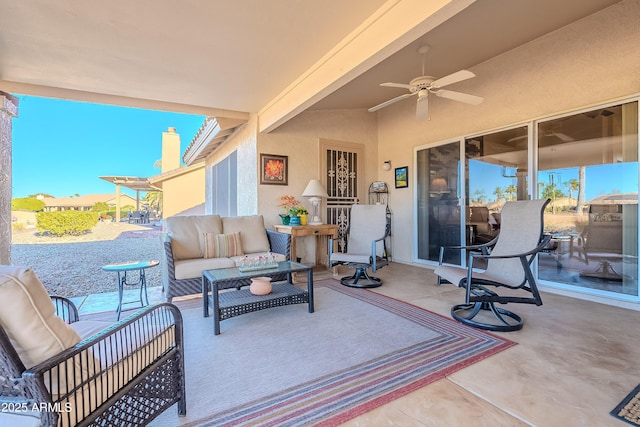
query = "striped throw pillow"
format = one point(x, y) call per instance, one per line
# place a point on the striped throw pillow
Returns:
point(222, 245)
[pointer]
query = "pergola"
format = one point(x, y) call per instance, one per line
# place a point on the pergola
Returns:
point(132, 182)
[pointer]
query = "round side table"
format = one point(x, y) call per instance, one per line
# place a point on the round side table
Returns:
point(122, 270)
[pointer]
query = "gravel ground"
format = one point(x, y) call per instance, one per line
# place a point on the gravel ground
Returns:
point(72, 266)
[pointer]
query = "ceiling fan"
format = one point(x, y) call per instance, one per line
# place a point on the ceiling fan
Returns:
point(423, 85)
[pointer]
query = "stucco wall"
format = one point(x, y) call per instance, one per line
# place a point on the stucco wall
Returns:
point(182, 192)
point(244, 141)
point(300, 140)
point(589, 62)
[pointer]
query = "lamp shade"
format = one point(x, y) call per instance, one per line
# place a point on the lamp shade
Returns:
point(314, 189)
point(439, 185)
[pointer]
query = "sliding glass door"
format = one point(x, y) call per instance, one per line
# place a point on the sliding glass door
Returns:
point(438, 204)
point(496, 172)
point(586, 163)
point(588, 168)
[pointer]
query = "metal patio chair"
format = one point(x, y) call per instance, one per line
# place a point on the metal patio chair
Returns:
point(508, 266)
point(369, 226)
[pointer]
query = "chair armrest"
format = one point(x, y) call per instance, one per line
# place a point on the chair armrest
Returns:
point(169, 266)
point(280, 243)
point(87, 366)
point(165, 237)
point(483, 248)
point(65, 308)
point(541, 246)
point(374, 247)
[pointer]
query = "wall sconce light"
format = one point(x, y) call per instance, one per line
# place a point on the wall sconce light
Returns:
point(386, 166)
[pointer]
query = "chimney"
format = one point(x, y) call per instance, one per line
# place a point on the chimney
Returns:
point(170, 150)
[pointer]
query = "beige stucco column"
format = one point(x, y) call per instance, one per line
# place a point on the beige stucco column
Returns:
point(117, 203)
point(8, 110)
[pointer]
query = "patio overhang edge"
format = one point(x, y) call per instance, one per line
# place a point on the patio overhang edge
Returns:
point(213, 133)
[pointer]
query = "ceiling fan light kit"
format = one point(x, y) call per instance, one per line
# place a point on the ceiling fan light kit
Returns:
point(423, 85)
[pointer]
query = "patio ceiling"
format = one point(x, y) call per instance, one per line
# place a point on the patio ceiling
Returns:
point(275, 58)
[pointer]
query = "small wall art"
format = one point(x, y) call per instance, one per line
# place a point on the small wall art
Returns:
point(274, 169)
point(402, 177)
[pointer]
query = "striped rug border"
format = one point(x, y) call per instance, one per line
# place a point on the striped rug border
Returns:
point(336, 398)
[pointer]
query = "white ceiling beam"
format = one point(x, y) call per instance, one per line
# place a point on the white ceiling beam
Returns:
point(392, 27)
point(122, 101)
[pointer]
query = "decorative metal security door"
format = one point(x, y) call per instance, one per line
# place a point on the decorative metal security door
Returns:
point(343, 167)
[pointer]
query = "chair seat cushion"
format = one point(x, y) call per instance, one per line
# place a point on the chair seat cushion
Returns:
point(193, 268)
point(86, 328)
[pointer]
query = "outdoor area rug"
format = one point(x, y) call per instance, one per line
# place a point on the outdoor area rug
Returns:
point(629, 409)
point(287, 367)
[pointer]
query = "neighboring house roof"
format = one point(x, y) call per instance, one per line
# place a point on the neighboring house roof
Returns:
point(87, 200)
point(620, 198)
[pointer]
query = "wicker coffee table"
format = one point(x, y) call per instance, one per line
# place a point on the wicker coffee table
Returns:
point(236, 301)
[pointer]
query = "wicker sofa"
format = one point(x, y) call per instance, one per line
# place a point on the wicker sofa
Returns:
point(58, 371)
point(196, 243)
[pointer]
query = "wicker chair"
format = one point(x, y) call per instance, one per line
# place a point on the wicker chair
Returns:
point(126, 374)
point(508, 265)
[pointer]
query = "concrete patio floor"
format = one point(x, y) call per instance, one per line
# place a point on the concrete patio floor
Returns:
point(574, 362)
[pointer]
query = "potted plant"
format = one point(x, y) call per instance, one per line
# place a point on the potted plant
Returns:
point(288, 203)
point(303, 213)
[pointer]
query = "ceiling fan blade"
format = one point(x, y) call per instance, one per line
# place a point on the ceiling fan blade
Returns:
point(402, 85)
point(453, 78)
point(391, 101)
point(422, 108)
point(562, 136)
point(459, 96)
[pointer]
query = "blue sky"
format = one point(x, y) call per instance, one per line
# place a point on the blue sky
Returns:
point(615, 178)
point(62, 147)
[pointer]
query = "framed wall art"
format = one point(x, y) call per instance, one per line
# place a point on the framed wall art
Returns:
point(274, 169)
point(402, 177)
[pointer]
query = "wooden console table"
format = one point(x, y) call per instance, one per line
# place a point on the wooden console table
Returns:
point(322, 232)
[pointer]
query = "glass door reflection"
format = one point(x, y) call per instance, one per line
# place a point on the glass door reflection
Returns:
point(588, 167)
point(438, 211)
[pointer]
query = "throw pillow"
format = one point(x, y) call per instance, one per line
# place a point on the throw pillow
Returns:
point(31, 324)
point(222, 245)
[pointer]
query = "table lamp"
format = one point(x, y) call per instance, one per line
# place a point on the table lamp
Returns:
point(315, 192)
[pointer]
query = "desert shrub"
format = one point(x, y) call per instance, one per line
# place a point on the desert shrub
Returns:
point(66, 222)
point(18, 226)
point(100, 207)
point(27, 204)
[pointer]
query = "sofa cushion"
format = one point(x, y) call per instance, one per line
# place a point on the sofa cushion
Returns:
point(252, 232)
point(193, 268)
point(222, 245)
point(32, 325)
point(187, 234)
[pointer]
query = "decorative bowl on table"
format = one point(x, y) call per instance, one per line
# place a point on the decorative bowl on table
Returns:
point(260, 286)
